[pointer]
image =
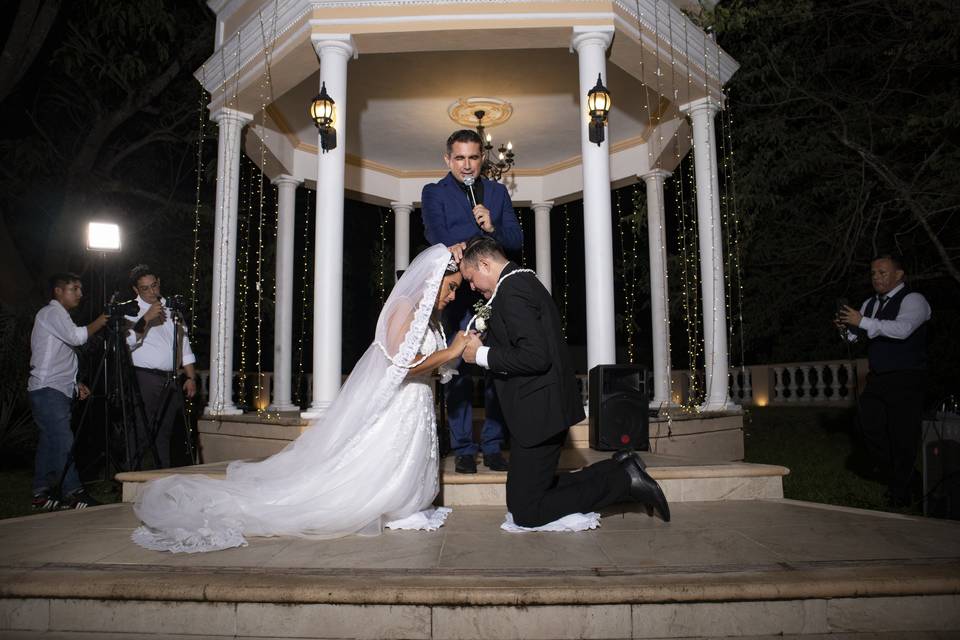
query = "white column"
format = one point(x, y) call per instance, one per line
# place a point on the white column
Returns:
point(541, 225)
point(220, 391)
point(334, 52)
point(283, 305)
point(659, 305)
point(401, 235)
point(701, 114)
point(591, 45)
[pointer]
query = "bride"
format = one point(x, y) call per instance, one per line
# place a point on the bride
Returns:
point(371, 460)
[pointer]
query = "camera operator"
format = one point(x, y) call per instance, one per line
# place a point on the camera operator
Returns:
point(52, 387)
point(894, 325)
point(155, 362)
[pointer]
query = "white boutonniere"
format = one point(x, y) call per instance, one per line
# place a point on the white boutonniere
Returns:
point(483, 310)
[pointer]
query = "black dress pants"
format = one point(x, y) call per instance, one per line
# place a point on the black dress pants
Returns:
point(891, 409)
point(156, 398)
point(537, 494)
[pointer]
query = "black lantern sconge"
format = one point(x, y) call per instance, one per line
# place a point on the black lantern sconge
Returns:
point(598, 106)
point(322, 113)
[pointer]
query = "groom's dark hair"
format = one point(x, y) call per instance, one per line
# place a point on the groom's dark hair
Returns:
point(483, 247)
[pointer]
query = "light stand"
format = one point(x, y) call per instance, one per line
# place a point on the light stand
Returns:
point(103, 237)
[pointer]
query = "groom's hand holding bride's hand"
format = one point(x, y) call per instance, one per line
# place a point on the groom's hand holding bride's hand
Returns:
point(459, 342)
point(473, 343)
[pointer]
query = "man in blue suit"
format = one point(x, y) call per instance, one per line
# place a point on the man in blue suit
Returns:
point(454, 212)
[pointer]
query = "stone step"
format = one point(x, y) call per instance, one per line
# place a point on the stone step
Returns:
point(711, 437)
point(682, 480)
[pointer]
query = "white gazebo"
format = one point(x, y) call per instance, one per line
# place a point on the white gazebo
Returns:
point(395, 69)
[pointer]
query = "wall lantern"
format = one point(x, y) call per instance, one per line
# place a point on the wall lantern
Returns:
point(598, 106)
point(322, 113)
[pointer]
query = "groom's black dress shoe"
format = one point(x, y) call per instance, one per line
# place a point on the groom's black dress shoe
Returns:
point(466, 464)
point(623, 454)
point(495, 461)
point(643, 488)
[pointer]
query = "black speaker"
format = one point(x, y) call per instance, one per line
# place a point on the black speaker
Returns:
point(942, 481)
point(619, 408)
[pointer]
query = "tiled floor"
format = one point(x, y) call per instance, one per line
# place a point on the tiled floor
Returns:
point(704, 535)
point(749, 565)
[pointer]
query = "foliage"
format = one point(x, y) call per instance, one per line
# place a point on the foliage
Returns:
point(846, 140)
point(822, 451)
point(105, 124)
point(17, 429)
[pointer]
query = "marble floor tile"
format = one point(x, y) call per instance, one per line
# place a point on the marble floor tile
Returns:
point(515, 550)
point(391, 550)
point(669, 548)
point(113, 516)
point(257, 553)
point(69, 547)
point(475, 519)
point(827, 541)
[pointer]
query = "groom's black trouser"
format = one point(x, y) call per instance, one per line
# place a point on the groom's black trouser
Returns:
point(536, 494)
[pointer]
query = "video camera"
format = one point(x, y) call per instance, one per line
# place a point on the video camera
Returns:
point(116, 309)
point(176, 303)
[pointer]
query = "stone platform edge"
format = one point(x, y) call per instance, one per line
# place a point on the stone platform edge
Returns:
point(796, 581)
point(679, 472)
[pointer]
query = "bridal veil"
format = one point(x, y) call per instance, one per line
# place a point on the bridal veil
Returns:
point(370, 458)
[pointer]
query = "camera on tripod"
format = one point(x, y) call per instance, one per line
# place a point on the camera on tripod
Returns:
point(118, 310)
point(175, 303)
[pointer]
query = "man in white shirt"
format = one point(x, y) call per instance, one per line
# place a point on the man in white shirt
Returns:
point(894, 325)
point(51, 388)
point(156, 363)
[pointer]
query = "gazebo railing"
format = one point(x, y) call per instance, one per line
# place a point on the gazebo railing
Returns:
point(820, 383)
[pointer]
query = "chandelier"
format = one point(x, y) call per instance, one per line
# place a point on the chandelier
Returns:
point(493, 169)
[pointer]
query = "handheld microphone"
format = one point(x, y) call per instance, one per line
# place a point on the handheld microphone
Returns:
point(469, 180)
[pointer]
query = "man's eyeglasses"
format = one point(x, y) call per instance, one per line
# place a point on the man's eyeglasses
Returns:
point(149, 287)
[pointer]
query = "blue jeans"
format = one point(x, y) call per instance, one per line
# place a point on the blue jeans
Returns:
point(52, 411)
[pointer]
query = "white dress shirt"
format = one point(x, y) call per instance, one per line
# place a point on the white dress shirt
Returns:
point(155, 349)
point(482, 357)
point(53, 360)
point(914, 311)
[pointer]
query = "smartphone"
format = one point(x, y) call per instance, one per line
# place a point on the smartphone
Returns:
point(841, 303)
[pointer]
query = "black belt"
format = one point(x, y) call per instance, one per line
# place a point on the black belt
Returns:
point(155, 372)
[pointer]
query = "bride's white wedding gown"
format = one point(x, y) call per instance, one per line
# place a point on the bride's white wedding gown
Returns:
point(371, 461)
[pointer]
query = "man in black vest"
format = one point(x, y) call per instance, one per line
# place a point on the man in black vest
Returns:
point(894, 324)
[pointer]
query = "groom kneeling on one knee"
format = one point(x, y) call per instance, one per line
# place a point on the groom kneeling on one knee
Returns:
point(524, 352)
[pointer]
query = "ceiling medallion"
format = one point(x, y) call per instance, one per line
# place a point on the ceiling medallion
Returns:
point(495, 111)
point(481, 113)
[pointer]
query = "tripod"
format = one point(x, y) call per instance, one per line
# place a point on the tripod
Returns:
point(122, 404)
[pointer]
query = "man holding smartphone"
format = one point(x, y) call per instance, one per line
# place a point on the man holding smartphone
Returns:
point(894, 325)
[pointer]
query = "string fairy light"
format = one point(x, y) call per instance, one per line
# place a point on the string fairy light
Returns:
point(381, 276)
point(735, 217)
point(243, 268)
point(304, 296)
point(224, 368)
point(625, 263)
point(731, 222)
point(266, 96)
point(523, 234)
point(566, 268)
point(195, 262)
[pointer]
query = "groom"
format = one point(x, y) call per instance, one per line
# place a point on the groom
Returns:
point(531, 369)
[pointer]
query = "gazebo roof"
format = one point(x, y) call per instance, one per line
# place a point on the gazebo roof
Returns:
point(418, 57)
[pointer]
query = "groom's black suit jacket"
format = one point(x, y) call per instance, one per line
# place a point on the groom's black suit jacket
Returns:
point(529, 361)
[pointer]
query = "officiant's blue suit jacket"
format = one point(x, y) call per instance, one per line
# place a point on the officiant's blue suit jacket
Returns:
point(448, 215)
